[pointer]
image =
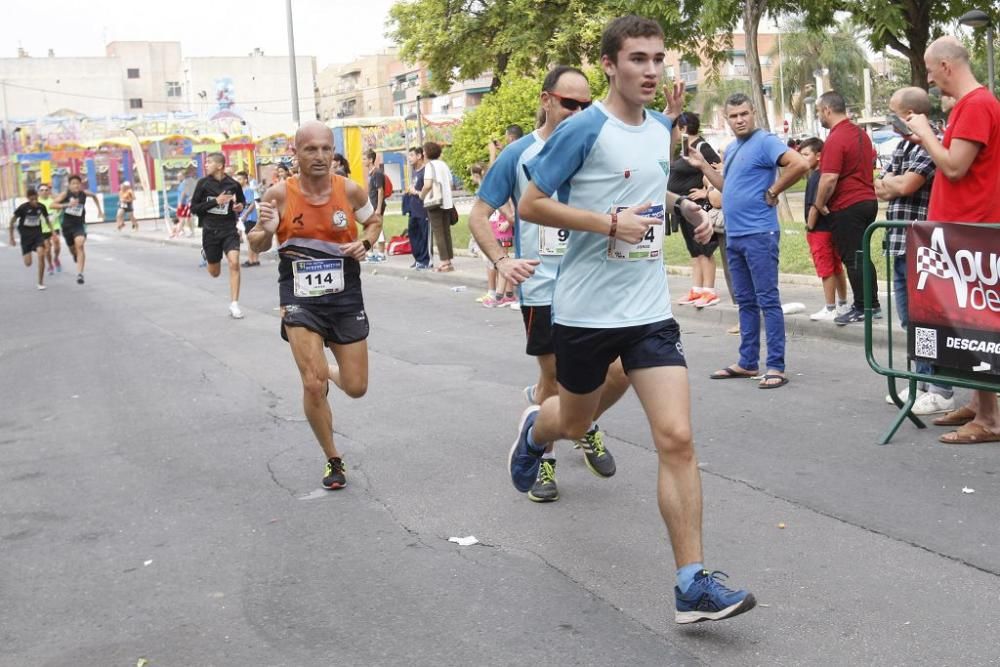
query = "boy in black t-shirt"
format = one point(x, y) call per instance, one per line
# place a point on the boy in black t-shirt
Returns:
point(29, 216)
point(819, 235)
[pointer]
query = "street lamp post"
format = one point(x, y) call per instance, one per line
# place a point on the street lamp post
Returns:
point(420, 121)
point(291, 63)
point(977, 18)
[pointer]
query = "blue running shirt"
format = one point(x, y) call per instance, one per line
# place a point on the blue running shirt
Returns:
point(594, 161)
point(505, 180)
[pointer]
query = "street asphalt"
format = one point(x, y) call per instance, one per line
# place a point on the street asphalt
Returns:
point(160, 492)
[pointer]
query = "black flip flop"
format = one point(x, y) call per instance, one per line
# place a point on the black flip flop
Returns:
point(772, 376)
point(729, 373)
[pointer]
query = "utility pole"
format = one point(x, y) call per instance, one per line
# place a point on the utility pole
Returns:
point(291, 63)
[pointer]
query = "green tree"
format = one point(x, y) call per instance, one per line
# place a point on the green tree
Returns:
point(712, 96)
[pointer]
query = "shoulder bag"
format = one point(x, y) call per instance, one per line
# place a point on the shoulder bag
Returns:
point(433, 199)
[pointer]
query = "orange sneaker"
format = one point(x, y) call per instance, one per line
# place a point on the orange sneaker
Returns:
point(691, 297)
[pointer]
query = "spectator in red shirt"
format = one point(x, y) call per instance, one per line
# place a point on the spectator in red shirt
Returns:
point(966, 189)
point(846, 195)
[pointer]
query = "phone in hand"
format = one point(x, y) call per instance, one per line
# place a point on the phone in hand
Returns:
point(900, 125)
point(685, 146)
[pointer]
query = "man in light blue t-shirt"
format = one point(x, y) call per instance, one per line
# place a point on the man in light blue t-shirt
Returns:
point(607, 167)
point(750, 189)
point(538, 252)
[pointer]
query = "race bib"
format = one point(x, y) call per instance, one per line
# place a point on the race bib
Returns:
point(649, 247)
point(552, 241)
point(222, 209)
point(318, 277)
point(32, 221)
point(75, 210)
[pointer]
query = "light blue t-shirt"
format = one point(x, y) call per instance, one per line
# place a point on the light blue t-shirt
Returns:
point(750, 168)
point(505, 180)
point(595, 162)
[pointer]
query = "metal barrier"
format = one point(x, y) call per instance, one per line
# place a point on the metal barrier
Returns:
point(891, 373)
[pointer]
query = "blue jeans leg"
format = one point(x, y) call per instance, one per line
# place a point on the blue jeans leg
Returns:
point(902, 309)
point(762, 257)
point(746, 300)
point(417, 229)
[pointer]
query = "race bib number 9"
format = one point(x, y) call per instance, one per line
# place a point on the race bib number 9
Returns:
point(552, 241)
point(317, 277)
point(649, 247)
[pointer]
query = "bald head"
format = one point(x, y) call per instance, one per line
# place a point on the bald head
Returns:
point(910, 100)
point(310, 131)
point(947, 48)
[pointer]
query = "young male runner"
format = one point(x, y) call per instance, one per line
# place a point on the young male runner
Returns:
point(609, 166)
point(538, 250)
point(31, 217)
point(217, 201)
point(54, 226)
point(74, 220)
point(315, 216)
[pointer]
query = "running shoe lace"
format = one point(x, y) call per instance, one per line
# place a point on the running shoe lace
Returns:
point(715, 579)
point(546, 472)
point(594, 442)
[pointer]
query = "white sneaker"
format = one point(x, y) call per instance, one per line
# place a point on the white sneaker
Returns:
point(529, 394)
point(41, 287)
point(235, 312)
point(903, 393)
point(843, 309)
point(515, 305)
point(932, 404)
point(824, 314)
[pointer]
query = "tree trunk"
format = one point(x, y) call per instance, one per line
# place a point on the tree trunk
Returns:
point(499, 71)
point(753, 10)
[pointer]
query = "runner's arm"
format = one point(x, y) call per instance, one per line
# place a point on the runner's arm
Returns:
point(201, 203)
point(513, 269)
point(372, 225)
point(97, 202)
point(273, 202)
point(542, 209)
point(58, 201)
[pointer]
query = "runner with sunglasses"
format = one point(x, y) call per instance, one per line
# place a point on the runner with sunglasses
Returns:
point(538, 251)
point(608, 166)
point(54, 228)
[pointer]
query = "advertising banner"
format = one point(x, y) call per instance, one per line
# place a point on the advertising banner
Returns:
point(953, 286)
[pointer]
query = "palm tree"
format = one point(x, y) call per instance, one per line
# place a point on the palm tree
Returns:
point(713, 94)
point(838, 51)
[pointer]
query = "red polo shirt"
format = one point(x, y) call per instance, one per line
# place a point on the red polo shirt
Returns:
point(976, 196)
point(848, 152)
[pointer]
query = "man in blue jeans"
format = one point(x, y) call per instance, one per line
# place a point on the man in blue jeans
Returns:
point(749, 196)
point(419, 227)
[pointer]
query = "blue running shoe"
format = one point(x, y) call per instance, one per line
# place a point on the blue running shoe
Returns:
point(707, 599)
point(525, 459)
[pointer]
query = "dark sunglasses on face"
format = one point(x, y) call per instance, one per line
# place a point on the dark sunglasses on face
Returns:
point(571, 104)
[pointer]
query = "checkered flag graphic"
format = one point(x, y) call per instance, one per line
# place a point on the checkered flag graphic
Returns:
point(930, 262)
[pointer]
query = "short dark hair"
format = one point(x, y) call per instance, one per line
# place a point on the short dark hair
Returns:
point(815, 144)
point(515, 131)
point(552, 78)
point(75, 177)
point(217, 157)
point(31, 192)
point(243, 174)
point(624, 27)
point(833, 101)
point(371, 155)
point(417, 150)
point(739, 99)
point(690, 122)
point(432, 150)
point(476, 168)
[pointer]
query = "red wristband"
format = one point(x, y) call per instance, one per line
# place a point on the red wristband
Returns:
point(614, 225)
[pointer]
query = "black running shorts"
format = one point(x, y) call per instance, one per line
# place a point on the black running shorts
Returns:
point(335, 326)
point(538, 328)
point(216, 242)
point(584, 355)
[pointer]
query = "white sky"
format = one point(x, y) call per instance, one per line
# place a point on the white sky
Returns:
point(334, 31)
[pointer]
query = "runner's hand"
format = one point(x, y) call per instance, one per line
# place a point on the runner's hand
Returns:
point(517, 270)
point(238, 207)
point(697, 218)
point(355, 249)
point(268, 218)
point(632, 226)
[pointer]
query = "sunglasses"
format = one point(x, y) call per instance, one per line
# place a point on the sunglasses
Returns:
point(571, 104)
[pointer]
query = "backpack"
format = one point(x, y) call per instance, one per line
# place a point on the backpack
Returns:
point(387, 190)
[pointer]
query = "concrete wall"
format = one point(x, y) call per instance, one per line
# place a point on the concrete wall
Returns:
point(40, 86)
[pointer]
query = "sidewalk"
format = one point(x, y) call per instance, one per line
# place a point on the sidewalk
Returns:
point(470, 272)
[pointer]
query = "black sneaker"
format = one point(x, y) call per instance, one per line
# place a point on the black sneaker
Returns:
point(334, 477)
point(596, 455)
point(79, 279)
point(544, 490)
point(852, 316)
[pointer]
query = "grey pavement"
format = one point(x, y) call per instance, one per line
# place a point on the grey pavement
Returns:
point(159, 494)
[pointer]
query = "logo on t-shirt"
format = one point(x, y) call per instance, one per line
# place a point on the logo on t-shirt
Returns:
point(339, 219)
point(665, 166)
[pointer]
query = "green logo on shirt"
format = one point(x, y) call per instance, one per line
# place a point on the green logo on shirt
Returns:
point(665, 166)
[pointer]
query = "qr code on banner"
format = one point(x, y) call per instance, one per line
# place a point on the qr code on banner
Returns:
point(925, 344)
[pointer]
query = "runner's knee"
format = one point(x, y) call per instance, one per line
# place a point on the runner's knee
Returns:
point(354, 387)
point(314, 385)
point(674, 440)
point(575, 427)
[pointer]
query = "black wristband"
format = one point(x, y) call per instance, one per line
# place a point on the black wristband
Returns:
point(500, 259)
point(367, 244)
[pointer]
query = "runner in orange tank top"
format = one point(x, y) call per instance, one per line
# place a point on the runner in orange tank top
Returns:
point(315, 217)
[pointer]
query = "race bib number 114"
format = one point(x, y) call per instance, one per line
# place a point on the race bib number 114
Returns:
point(318, 277)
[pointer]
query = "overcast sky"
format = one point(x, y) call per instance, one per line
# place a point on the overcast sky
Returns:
point(334, 31)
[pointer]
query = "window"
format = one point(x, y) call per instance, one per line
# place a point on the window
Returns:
point(133, 72)
point(173, 88)
point(135, 103)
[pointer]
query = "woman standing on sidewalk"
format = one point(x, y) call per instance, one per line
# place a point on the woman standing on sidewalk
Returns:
point(437, 175)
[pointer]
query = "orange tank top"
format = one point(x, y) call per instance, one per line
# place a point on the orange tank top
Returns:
point(331, 223)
